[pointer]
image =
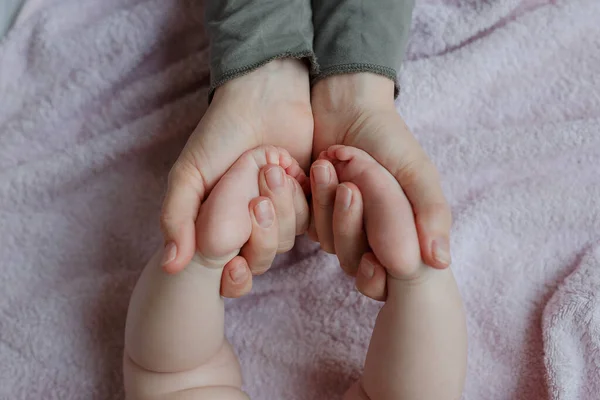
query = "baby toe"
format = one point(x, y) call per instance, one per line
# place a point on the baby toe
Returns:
point(285, 159)
point(295, 171)
point(349, 153)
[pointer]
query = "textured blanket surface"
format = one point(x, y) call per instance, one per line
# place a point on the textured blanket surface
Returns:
point(98, 97)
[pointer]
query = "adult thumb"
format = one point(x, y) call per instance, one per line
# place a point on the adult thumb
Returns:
point(185, 193)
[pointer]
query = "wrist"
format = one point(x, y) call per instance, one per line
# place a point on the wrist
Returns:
point(360, 90)
point(285, 78)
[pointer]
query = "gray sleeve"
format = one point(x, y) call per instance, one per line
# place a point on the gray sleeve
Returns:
point(360, 36)
point(246, 34)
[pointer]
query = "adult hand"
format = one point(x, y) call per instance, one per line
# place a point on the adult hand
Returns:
point(257, 256)
point(358, 110)
point(270, 105)
point(236, 280)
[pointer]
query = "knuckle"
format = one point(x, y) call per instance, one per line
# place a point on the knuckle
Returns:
point(324, 200)
point(437, 210)
point(185, 173)
point(263, 246)
point(168, 221)
point(165, 220)
point(416, 170)
point(434, 218)
point(179, 171)
point(411, 171)
point(324, 204)
point(287, 225)
point(343, 231)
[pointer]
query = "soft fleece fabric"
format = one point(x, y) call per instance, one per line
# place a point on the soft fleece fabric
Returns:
point(97, 99)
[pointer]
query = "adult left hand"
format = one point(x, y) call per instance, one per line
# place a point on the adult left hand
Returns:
point(287, 203)
point(358, 110)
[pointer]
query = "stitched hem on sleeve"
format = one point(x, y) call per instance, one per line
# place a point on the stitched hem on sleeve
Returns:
point(237, 72)
point(354, 68)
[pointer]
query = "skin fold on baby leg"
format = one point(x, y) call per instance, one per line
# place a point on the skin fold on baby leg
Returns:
point(175, 346)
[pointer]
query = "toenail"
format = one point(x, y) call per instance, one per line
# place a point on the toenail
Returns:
point(274, 178)
point(441, 251)
point(321, 174)
point(264, 214)
point(238, 274)
point(343, 196)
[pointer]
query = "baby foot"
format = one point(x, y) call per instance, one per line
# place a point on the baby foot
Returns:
point(388, 216)
point(224, 224)
point(174, 340)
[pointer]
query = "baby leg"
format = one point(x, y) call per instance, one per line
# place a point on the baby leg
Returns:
point(174, 340)
point(174, 337)
point(418, 348)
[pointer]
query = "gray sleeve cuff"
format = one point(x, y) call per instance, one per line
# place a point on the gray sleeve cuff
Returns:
point(360, 36)
point(246, 34)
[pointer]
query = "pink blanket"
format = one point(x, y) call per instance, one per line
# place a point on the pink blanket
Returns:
point(98, 97)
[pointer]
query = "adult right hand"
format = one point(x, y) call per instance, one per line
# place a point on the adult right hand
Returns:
point(270, 105)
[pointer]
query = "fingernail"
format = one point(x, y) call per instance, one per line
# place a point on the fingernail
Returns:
point(321, 174)
point(169, 253)
point(264, 214)
point(343, 196)
point(367, 269)
point(441, 251)
point(238, 274)
point(274, 178)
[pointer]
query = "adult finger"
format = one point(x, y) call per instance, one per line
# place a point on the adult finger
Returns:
point(324, 183)
point(300, 206)
point(236, 280)
point(273, 183)
point(348, 234)
point(420, 181)
point(261, 248)
point(372, 278)
point(180, 208)
point(218, 140)
point(392, 144)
